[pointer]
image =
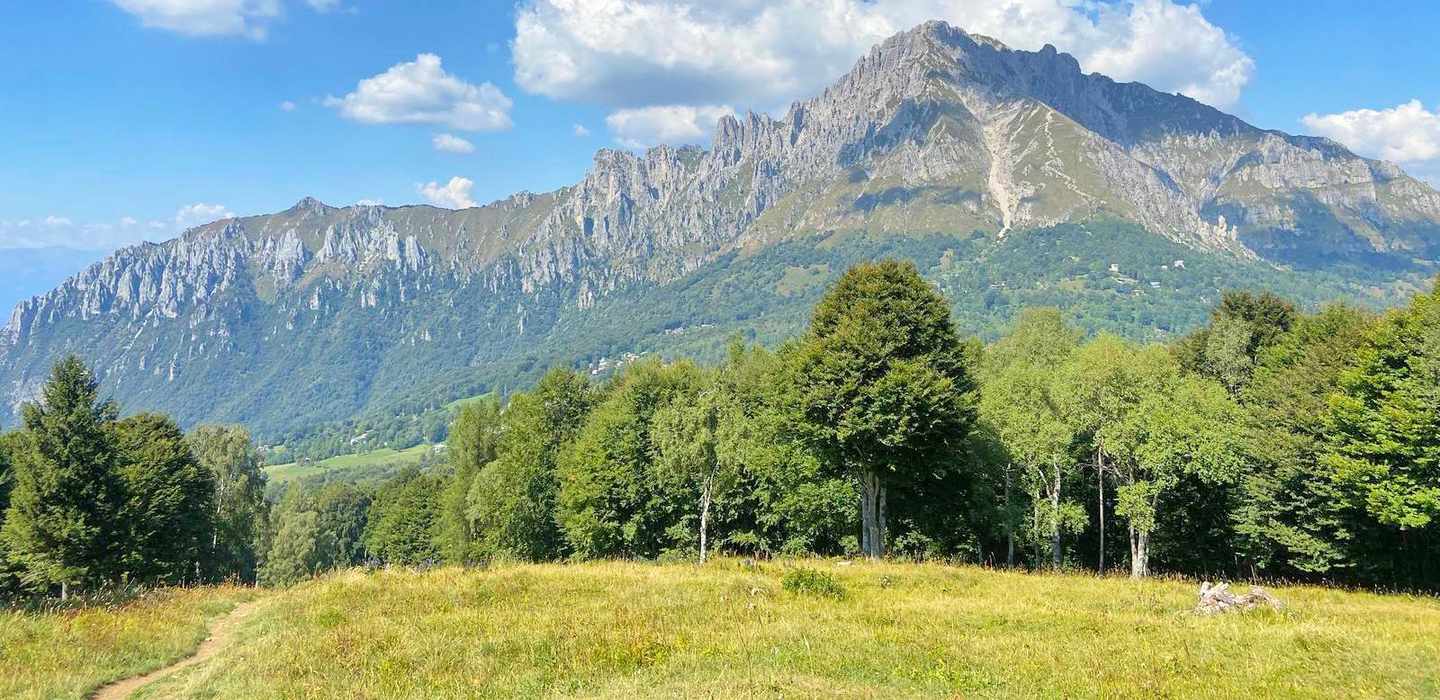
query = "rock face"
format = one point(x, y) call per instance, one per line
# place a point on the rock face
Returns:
point(936, 130)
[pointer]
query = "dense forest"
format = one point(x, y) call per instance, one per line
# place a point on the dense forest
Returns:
point(1270, 443)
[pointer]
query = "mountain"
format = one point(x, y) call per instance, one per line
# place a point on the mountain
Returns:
point(25, 272)
point(1010, 177)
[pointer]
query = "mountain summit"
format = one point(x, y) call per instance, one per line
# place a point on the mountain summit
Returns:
point(320, 312)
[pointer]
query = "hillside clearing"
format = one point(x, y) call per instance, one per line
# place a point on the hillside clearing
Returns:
point(730, 630)
point(354, 466)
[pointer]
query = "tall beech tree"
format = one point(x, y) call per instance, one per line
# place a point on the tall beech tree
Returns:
point(63, 526)
point(881, 382)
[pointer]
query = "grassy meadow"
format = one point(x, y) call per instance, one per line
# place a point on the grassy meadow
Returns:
point(733, 630)
point(68, 653)
point(377, 460)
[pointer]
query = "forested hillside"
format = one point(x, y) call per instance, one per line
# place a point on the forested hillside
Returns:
point(1270, 442)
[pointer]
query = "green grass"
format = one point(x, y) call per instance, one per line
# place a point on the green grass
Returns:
point(731, 630)
point(69, 653)
point(382, 459)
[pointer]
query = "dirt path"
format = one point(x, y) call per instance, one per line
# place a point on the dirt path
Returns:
point(220, 633)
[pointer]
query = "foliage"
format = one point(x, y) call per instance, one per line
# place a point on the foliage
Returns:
point(169, 503)
point(240, 510)
point(403, 520)
point(510, 503)
point(1291, 519)
point(803, 580)
point(882, 383)
point(1385, 421)
point(64, 514)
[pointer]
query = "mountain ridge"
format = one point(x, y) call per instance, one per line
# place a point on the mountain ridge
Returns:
point(935, 131)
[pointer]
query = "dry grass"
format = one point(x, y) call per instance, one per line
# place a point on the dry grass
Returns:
point(69, 653)
point(727, 630)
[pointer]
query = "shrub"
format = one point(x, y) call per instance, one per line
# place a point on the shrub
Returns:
point(804, 581)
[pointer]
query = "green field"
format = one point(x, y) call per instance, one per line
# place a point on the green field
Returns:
point(729, 629)
point(69, 653)
point(352, 467)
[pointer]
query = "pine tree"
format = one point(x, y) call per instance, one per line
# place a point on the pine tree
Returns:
point(63, 525)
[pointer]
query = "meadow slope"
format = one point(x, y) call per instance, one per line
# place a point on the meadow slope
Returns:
point(732, 630)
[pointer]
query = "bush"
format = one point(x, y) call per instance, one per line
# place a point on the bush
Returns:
point(803, 581)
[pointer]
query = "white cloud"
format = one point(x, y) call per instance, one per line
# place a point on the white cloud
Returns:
point(629, 54)
point(62, 231)
point(323, 5)
point(1408, 133)
point(287, 106)
point(193, 215)
point(451, 195)
point(421, 92)
point(673, 124)
point(249, 18)
point(580, 130)
point(450, 143)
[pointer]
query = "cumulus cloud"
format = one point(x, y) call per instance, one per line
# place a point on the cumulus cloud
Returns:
point(192, 215)
point(249, 18)
point(629, 54)
point(421, 92)
point(287, 106)
point(454, 194)
point(674, 124)
point(580, 130)
point(451, 143)
point(1408, 133)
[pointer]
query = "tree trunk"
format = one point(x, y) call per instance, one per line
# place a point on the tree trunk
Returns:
point(1139, 553)
point(1100, 482)
point(1055, 520)
point(1009, 522)
point(64, 591)
point(872, 515)
point(704, 517)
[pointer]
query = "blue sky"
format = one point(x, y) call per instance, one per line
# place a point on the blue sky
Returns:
point(124, 120)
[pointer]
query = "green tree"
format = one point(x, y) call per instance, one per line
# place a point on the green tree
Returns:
point(696, 443)
point(295, 551)
point(881, 382)
point(511, 503)
point(1188, 428)
point(473, 443)
point(1098, 389)
point(341, 513)
point(12, 444)
point(1018, 403)
point(239, 502)
point(1292, 516)
point(403, 520)
point(611, 500)
point(1241, 326)
point(1385, 423)
point(62, 526)
point(169, 500)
